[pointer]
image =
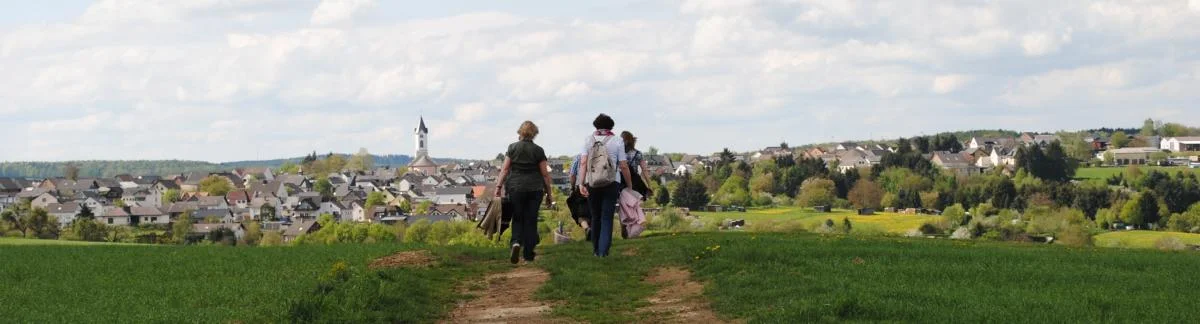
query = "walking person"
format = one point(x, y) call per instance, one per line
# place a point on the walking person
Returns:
point(576, 202)
point(637, 172)
point(605, 169)
point(637, 165)
point(525, 178)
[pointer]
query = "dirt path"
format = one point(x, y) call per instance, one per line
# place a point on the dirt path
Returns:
point(506, 298)
point(679, 300)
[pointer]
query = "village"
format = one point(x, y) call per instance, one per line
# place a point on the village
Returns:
point(425, 190)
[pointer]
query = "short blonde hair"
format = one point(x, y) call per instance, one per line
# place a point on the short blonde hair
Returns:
point(528, 131)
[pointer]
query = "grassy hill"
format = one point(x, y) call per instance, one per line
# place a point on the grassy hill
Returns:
point(758, 277)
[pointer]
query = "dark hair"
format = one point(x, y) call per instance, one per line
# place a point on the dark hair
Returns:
point(604, 122)
point(630, 141)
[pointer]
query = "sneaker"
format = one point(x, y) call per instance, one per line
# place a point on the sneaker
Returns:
point(515, 255)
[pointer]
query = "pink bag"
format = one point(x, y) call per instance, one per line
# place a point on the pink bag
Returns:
point(632, 216)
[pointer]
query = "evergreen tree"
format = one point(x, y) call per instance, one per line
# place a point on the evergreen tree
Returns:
point(690, 193)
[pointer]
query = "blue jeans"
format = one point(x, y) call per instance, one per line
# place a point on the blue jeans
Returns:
point(525, 221)
point(603, 203)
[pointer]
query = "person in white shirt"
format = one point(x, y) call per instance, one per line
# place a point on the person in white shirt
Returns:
point(603, 200)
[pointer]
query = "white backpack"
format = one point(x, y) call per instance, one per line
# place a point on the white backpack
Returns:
point(601, 172)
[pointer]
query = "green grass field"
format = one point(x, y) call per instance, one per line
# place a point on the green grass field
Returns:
point(1142, 239)
point(22, 241)
point(209, 284)
point(758, 277)
point(778, 278)
point(1107, 172)
point(892, 223)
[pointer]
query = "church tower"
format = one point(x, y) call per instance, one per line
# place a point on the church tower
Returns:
point(422, 137)
point(422, 163)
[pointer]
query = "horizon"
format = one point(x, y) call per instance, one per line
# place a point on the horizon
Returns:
point(255, 80)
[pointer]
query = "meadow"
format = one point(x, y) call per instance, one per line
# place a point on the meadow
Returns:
point(791, 218)
point(1142, 239)
point(1103, 173)
point(757, 277)
point(200, 284)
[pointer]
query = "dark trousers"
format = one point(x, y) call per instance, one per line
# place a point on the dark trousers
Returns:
point(603, 203)
point(525, 220)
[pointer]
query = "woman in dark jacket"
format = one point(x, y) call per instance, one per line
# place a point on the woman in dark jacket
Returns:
point(525, 178)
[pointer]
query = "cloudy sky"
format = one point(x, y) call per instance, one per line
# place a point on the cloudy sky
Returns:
point(221, 80)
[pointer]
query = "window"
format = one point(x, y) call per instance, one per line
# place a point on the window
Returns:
point(154, 219)
point(110, 221)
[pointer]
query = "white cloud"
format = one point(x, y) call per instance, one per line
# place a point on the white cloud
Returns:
point(337, 11)
point(943, 84)
point(298, 76)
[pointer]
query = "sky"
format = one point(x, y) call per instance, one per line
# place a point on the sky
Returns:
point(226, 80)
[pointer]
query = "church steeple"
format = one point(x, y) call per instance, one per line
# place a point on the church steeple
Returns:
point(421, 162)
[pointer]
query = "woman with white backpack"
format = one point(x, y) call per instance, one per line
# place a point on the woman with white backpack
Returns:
point(605, 168)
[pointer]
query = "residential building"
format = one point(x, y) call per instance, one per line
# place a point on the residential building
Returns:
point(1180, 144)
point(1131, 155)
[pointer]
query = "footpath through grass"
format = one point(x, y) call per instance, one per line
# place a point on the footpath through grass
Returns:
point(206, 284)
point(777, 278)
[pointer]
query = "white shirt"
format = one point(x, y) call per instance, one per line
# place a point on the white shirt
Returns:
point(616, 149)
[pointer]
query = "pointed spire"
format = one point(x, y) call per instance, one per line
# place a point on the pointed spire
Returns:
point(422, 128)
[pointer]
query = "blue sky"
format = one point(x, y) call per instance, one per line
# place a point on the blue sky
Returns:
point(222, 80)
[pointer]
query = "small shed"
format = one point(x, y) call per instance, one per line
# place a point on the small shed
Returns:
point(866, 211)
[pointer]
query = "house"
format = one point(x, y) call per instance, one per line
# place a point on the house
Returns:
point(43, 200)
point(190, 182)
point(457, 212)
point(10, 186)
point(335, 208)
point(1180, 144)
point(453, 195)
point(846, 146)
point(953, 162)
point(159, 189)
point(149, 215)
point(658, 164)
point(685, 169)
point(202, 230)
point(1002, 157)
point(306, 209)
point(1029, 139)
point(114, 216)
point(988, 143)
point(1098, 143)
point(300, 228)
point(65, 213)
point(238, 198)
point(223, 214)
point(852, 159)
point(1131, 155)
point(179, 208)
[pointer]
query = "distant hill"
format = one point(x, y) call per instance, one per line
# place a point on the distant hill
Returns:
point(93, 169)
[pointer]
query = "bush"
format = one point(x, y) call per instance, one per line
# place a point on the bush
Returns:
point(929, 229)
point(1074, 235)
point(1169, 243)
point(271, 238)
point(955, 215)
point(817, 192)
point(669, 220)
point(417, 232)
